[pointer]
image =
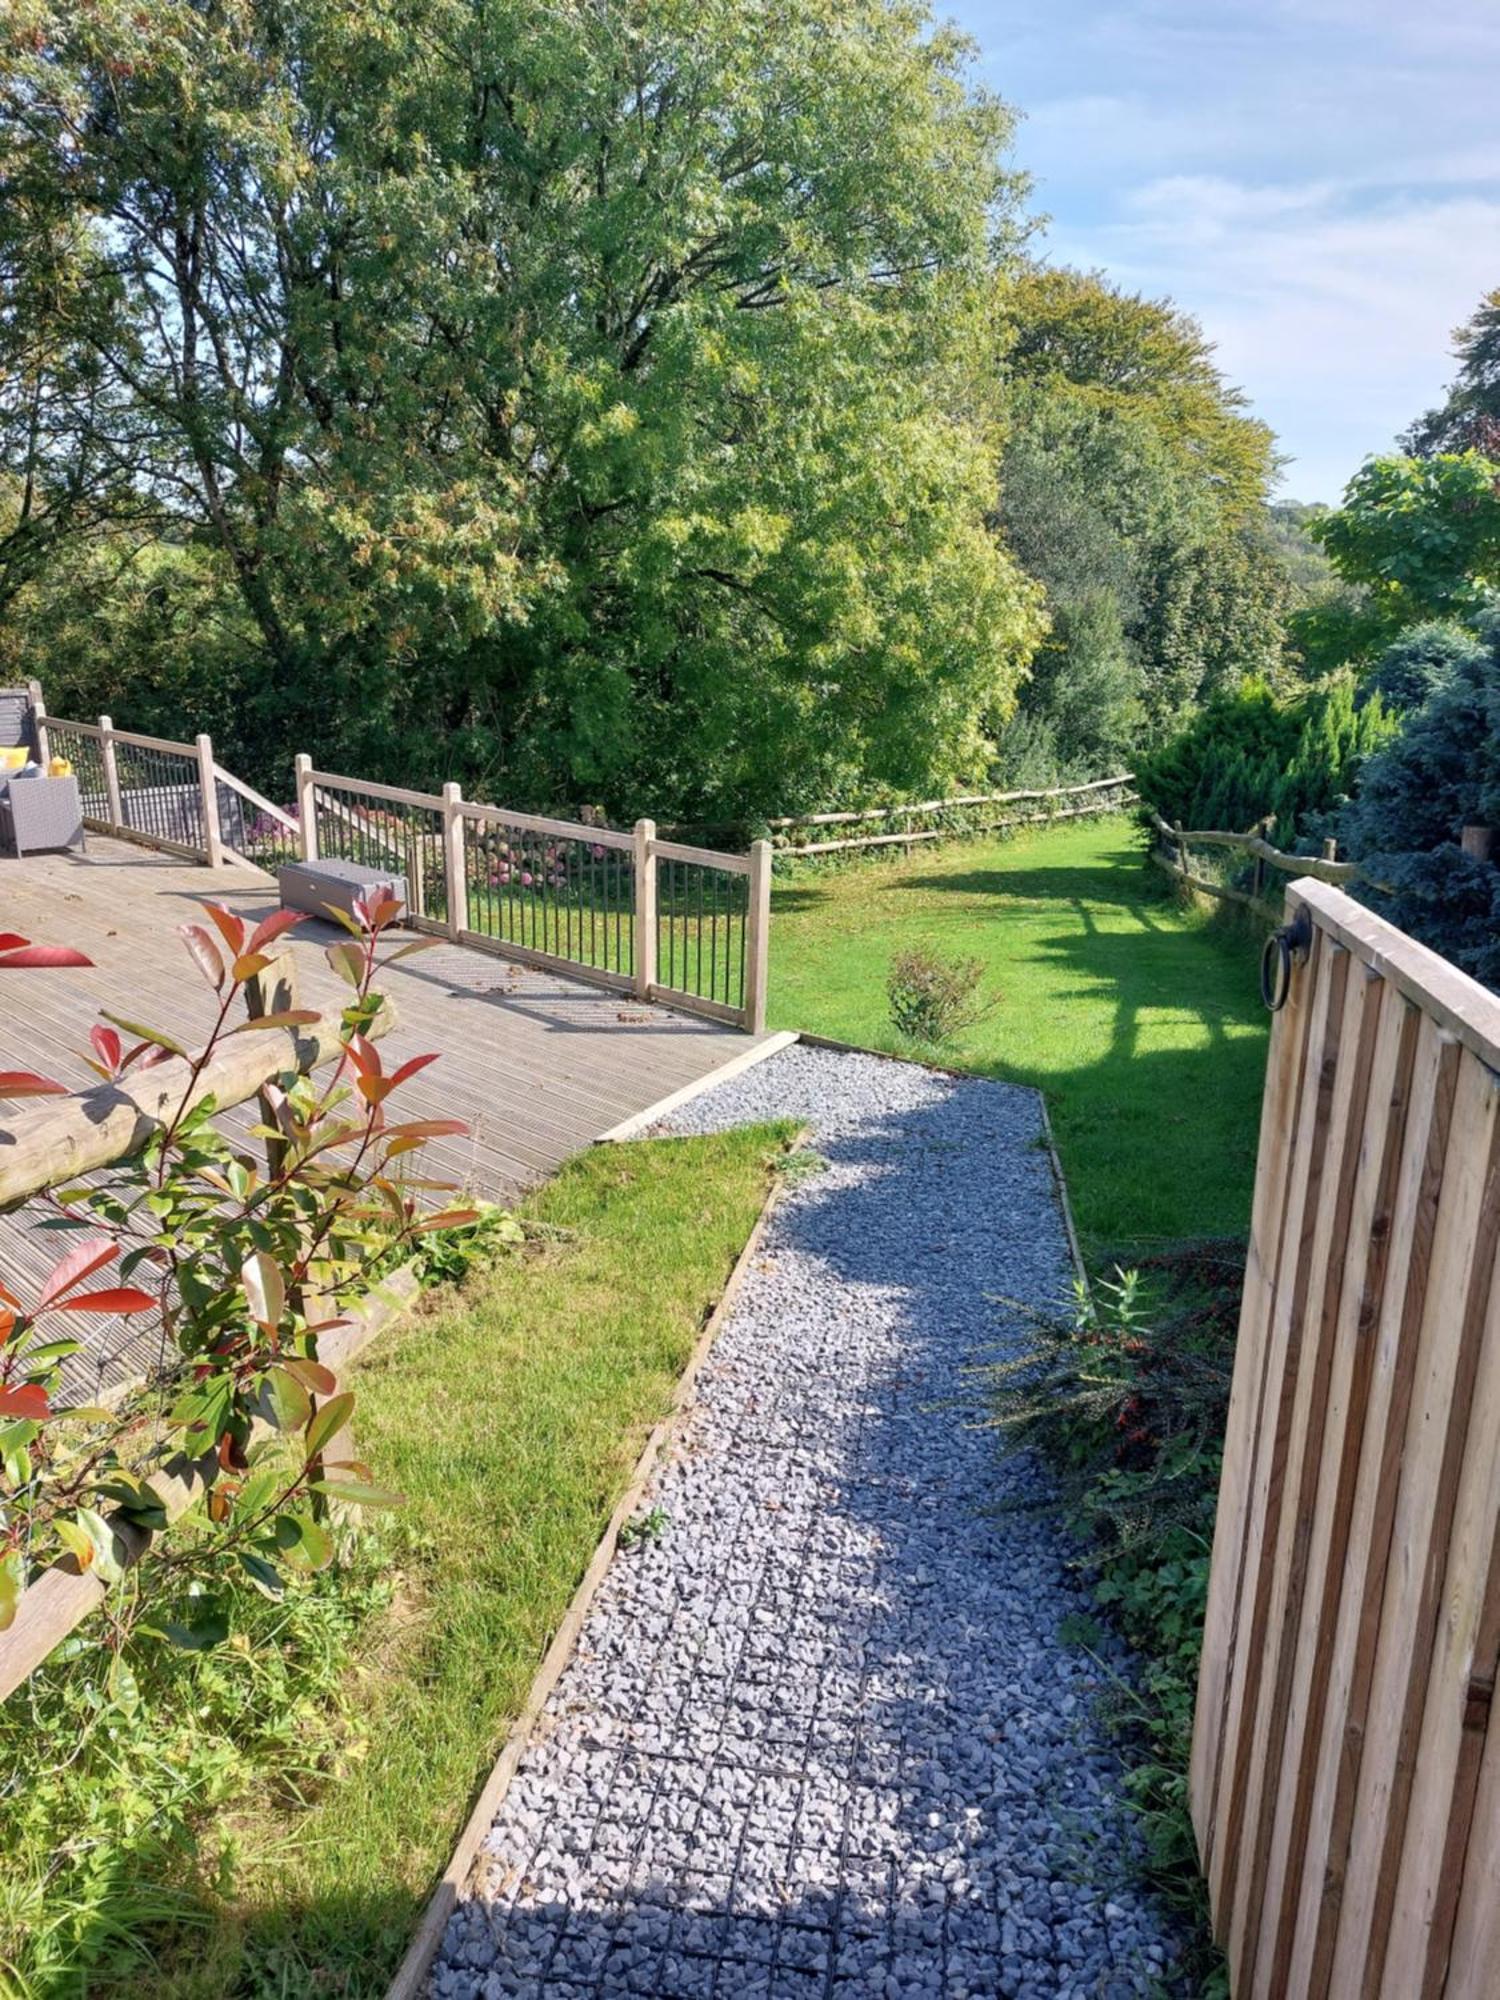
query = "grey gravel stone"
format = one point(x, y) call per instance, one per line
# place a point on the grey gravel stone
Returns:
point(820, 1738)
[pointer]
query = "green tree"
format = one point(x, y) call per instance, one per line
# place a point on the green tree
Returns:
point(1132, 473)
point(1441, 774)
point(1468, 418)
point(582, 399)
point(1420, 535)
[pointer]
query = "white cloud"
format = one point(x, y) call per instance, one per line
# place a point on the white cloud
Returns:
point(1335, 317)
point(1318, 181)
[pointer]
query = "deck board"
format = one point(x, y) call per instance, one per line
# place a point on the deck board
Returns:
point(538, 1064)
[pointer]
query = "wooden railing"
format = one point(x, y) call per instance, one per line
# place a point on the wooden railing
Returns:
point(1345, 1776)
point(653, 918)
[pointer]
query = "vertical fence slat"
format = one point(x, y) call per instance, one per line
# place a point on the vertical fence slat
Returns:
point(1368, 1235)
point(1460, 1685)
point(1330, 969)
point(1338, 1754)
point(1311, 1334)
point(1436, 1430)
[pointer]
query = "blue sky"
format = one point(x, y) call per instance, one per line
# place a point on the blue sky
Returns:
point(1318, 181)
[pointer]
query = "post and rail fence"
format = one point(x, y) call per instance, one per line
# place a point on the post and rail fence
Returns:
point(1173, 853)
point(966, 814)
point(655, 919)
point(1345, 1775)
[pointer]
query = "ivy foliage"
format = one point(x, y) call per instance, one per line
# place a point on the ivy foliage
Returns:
point(585, 400)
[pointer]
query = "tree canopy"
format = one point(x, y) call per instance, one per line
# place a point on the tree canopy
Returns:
point(589, 399)
point(1132, 484)
point(1468, 418)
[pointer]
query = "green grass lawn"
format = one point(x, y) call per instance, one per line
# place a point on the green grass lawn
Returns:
point(274, 1825)
point(1140, 1021)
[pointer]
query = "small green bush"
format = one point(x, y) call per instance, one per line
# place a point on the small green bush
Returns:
point(933, 998)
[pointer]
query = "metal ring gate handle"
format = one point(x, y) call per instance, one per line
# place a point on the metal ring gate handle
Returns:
point(1288, 943)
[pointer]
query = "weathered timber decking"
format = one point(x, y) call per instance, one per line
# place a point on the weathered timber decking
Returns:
point(538, 1064)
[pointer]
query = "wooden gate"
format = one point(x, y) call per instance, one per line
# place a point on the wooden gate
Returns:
point(1345, 1781)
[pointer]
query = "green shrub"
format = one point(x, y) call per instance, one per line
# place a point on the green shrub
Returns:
point(1412, 666)
point(1127, 1405)
point(1416, 797)
point(1250, 754)
point(934, 998)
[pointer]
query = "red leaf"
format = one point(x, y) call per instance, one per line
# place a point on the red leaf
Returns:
point(271, 927)
point(122, 1299)
point(107, 1047)
point(375, 1089)
point(81, 1262)
point(10, 939)
point(22, 1083)
point(410, 1068)
point(43, 955)
point(230, 927)
point(428, 1128)
point(204, 953)
point(28, 1400)
point(363, 1054)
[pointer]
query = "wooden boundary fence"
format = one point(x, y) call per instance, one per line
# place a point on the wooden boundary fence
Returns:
point(1172, 853)
point(1099, 795)
point(1345, 1778)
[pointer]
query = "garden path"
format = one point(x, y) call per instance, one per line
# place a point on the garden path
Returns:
point(820, 1736)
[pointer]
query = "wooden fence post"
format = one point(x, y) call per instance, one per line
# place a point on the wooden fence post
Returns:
point(39, 718)
point(111, 772)
point(453, 859)
point(307, 808)
point(758, 936)
point(208, 788)
point(416, 873)
point(645, 908)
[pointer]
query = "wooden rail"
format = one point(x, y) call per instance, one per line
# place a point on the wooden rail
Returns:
point(1171, 853)
point(1099, 795)
point(726, 894)
point(1345, 1777)
point(655, 901)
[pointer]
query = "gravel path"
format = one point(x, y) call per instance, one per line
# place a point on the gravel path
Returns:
point(819, 1738)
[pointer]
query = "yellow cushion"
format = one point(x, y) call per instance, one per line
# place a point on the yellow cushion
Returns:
point(12, 760)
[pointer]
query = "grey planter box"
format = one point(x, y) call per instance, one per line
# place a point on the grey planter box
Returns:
point(314, 885)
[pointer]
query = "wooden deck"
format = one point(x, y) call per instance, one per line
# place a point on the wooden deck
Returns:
point(538, 1064)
